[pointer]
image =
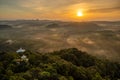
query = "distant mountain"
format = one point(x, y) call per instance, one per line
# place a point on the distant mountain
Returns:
point(108, 23)
point(5, 26)
point(75, 25)
point(83, 25)
point(53, 25)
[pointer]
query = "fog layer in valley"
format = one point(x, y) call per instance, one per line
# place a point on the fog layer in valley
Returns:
point(100, 38)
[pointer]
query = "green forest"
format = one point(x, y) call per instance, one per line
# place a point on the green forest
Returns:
point(66, 64)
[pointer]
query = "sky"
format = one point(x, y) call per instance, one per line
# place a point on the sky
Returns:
point(60, 9)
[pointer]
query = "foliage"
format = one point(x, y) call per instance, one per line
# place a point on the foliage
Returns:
point(67, 64)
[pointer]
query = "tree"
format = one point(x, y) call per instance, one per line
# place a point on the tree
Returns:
point(97, 77)
point(16, 78)
point(44, 75)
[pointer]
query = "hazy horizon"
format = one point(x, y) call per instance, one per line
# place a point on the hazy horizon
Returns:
point(59, 20)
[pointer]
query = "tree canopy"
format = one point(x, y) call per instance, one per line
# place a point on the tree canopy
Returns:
point(66, 64)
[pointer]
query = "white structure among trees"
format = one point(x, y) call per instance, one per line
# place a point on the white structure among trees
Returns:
point(21, 50)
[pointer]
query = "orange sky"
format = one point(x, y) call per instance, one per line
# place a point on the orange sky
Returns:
point(60, 9)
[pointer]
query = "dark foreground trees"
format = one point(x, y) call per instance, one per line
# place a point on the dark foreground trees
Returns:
point(67, 64)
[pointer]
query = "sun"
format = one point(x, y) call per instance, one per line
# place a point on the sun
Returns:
point(79, 13)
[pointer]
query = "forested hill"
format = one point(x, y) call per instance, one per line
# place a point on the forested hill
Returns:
point(67, 64)
point(5, 26)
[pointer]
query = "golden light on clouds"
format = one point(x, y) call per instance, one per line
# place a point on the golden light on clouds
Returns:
point(74, 10)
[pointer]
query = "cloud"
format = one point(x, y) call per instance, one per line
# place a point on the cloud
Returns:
point(58, 8)
point(103, 10)
point(51, 4)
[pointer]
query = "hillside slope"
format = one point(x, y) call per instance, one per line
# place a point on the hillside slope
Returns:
point(66, 64)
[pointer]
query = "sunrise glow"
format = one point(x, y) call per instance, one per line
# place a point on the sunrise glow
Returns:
point(79, 13)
